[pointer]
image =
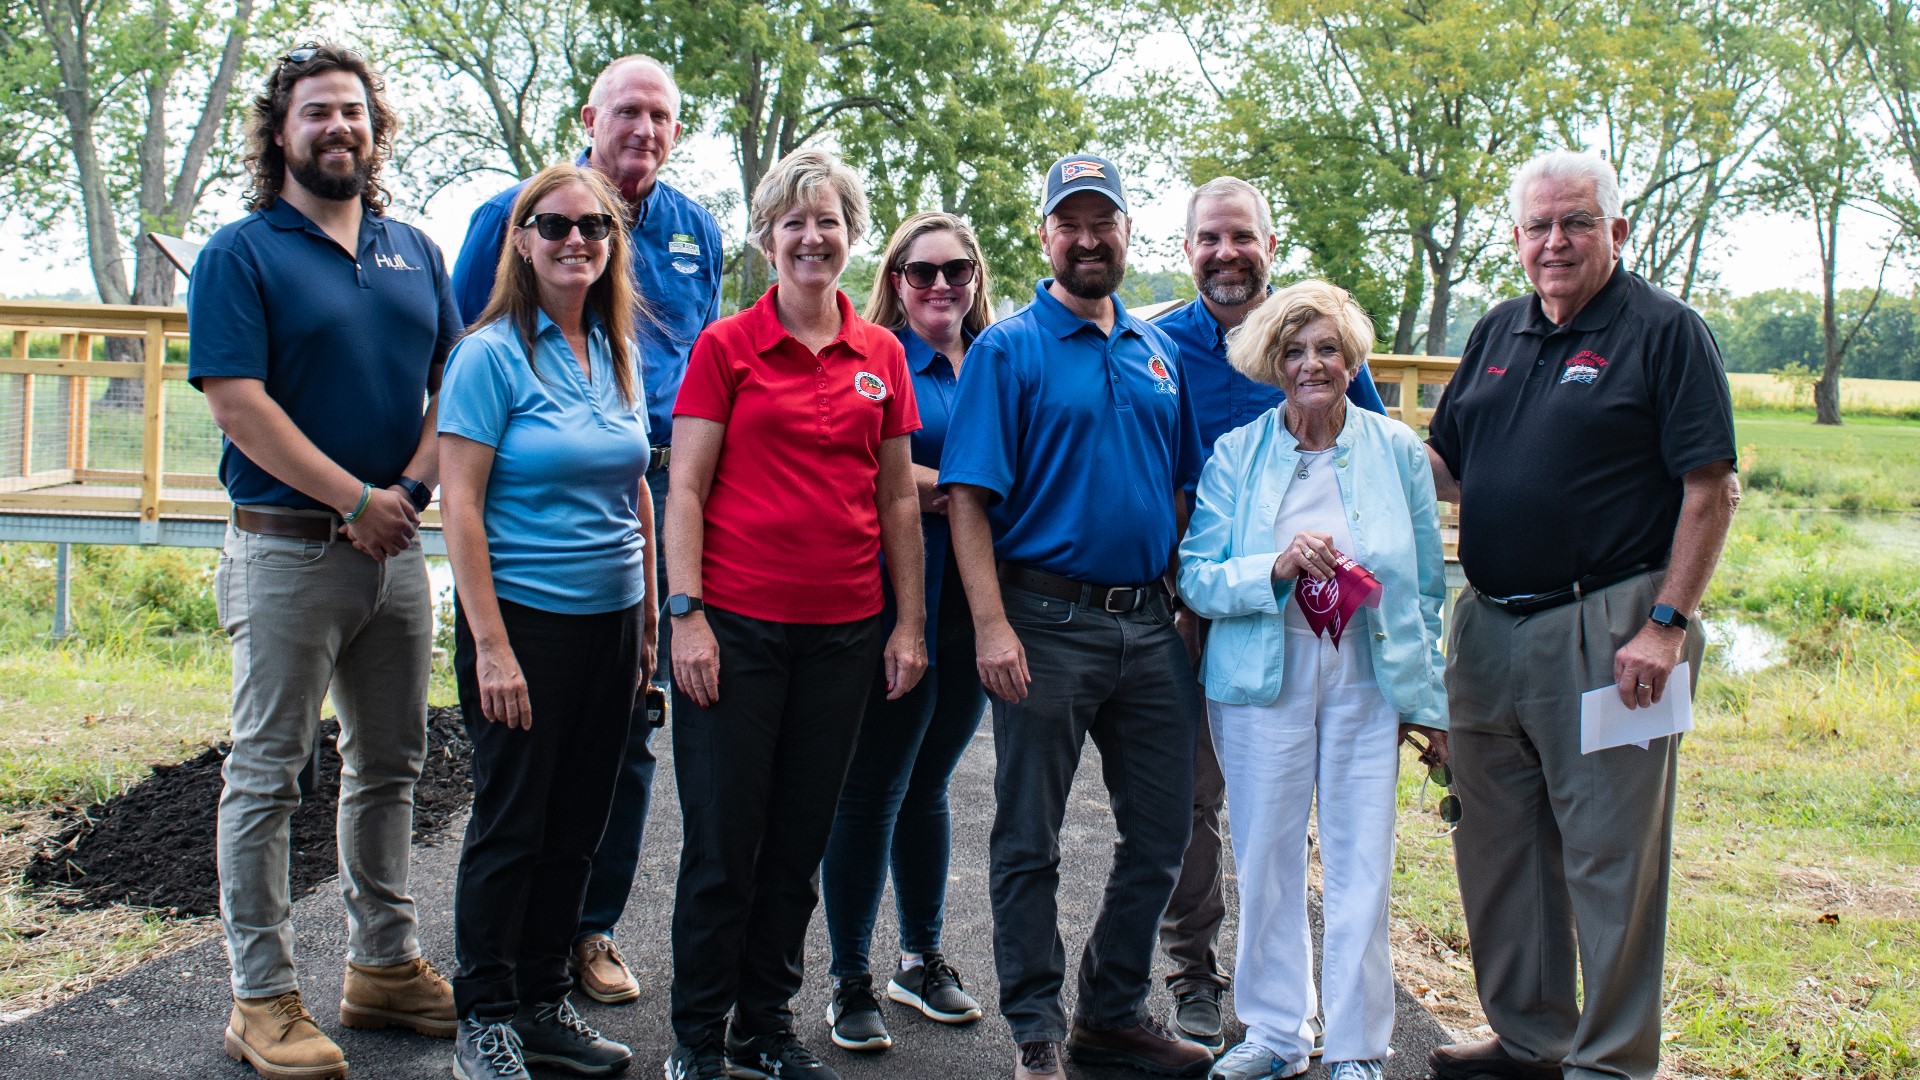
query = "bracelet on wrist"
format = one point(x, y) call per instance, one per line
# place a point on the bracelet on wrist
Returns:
point(366, 492)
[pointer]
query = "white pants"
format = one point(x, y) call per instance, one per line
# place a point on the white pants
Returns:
point(1332, 731)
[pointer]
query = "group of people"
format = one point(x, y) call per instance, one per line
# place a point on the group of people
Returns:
point(840, 536)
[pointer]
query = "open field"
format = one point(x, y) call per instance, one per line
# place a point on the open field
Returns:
point(1796, 893)
point(1762, 388)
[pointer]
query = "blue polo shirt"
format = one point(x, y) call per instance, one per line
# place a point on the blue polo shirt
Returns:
point(677, 256)
point(345, 341)
point(1081, 437)
point(562, 507)
point(934, 387)
point(1224, 399)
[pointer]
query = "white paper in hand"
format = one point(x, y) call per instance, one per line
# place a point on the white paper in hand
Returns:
point(1606, 722)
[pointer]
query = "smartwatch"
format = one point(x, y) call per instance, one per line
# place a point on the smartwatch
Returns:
point(681, 604)
point(418, 493)
point(1665, 615)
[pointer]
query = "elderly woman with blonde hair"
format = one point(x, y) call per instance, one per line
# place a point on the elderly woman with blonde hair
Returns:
point(791, 474)
point(1294, 715)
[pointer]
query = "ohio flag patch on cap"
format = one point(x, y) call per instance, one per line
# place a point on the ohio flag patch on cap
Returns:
point(1074, 170)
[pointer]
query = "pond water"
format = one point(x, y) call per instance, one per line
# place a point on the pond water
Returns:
point(1744, 648)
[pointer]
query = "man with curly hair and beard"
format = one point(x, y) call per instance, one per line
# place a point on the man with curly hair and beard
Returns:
point(319, 331)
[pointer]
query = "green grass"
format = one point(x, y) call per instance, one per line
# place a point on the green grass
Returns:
point(1793, 945)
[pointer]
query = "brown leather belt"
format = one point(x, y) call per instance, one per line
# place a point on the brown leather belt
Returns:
point(291, 526)
point(1113, 599)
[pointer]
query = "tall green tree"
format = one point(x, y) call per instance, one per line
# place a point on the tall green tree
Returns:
point(1385, 131)
point(935, 100)
point(1822, 167)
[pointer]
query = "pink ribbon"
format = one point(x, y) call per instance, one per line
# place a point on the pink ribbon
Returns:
point(1330, 605)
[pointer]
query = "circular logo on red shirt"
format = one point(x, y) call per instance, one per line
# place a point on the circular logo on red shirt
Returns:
point(869, 386)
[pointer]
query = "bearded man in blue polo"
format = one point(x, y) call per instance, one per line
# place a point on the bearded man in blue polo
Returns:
point(1072, 445)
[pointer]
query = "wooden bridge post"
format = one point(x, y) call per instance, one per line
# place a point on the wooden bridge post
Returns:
point(152, 451)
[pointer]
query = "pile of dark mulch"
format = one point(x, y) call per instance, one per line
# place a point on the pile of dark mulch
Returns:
point(153, 845)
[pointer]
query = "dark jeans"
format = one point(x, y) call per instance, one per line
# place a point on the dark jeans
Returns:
point(540, 800)
point(759, 776)
point(1190, 930)
point(893, 810)
point(1126, 681)
point(611, 878)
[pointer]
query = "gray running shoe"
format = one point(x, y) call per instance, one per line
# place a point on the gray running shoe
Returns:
point(934, 987)
point(1252, 1061)
point(853, 1014)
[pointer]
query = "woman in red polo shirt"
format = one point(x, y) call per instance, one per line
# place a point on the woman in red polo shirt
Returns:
point(791, 473)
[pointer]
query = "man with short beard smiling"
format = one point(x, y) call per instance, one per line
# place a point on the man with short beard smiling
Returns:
point(1230, 246)
point(319, 331)
point(1071, 447)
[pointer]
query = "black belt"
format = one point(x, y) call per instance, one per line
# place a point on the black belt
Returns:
point(291, 526)
point(659, 458)
point(1113, 599)
point(1529, 603)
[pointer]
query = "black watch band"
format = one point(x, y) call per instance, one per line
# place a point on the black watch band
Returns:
point(418, 493)
point(1668, 616)
point(680, 604)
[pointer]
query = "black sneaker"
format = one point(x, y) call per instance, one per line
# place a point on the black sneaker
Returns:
point(484, 1050)
point(553, 1034)
point(933, 987)
point(1196, 1015)
point(775, 1056)
point(696, 1063)
point(854, 1016)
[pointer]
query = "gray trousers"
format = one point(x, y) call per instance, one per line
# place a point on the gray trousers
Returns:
point(1562, 857)
point(1126, 682)
point(305, 616)
point(1190, 930)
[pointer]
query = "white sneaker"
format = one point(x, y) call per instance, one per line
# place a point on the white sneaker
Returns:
point(1252, 1061)
point(1358, 1070)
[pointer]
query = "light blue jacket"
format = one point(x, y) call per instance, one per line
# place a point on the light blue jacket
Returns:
point(1226, 560)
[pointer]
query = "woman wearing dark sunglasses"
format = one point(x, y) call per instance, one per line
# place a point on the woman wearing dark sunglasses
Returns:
point(549, 525)
point(893, 811)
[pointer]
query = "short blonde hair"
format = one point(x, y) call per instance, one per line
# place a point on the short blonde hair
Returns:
point(795, 180)
point(884, 307)
point(1257, 347)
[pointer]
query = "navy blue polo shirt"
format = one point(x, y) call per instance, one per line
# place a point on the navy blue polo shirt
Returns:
point(1082, 438)
point(1224, 399)
point(677, 256)
point(344, 341)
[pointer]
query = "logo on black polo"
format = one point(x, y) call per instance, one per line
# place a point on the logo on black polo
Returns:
point(1585, 367)
point(869, 386)
point(393, 262)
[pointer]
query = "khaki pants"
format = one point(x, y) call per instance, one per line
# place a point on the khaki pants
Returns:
point(1561, 854)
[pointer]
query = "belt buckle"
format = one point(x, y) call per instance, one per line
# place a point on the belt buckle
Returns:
point(1107, 603)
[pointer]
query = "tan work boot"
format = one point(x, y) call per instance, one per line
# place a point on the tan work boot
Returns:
point(601, 972)
point(278, 1037)
point(409, 995)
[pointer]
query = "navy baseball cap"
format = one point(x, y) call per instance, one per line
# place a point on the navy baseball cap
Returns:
point(1083, 172)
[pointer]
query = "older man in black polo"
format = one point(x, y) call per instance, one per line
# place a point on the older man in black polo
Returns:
point(1587, 438)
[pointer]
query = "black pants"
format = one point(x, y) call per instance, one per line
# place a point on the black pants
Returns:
point(540, 800)
point(759, 776)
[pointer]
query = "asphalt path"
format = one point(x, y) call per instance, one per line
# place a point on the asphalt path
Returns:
point(165, 1018)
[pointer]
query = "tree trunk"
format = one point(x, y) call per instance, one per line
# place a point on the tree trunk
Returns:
point(1412, 286)
point(1826, 390)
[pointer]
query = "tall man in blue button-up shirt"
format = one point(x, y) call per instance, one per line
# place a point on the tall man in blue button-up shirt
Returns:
point(1230, 245)
point(319, 330)
point(632, 113)
point(1072, 445)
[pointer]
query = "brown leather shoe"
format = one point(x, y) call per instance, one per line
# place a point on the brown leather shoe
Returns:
point(1147, 1046)
point(1485, 1060)
point(600, 970)
point(1037, 1061)
point(279, 1038)
point(410, 995)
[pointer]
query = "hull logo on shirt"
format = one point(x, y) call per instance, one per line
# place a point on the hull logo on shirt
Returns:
point(683, 244)
point(392, 262)
point(1585, 367)
point(869, 386)
point(686, 266)
point(1163, 379)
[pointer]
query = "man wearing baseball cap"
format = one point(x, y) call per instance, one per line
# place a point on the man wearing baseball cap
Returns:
point(1072, 443)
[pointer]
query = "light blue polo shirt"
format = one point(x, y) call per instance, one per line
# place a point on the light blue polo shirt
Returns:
point(345, 341)
point(677, 257)
point(562, 510)
point(1081, 437)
